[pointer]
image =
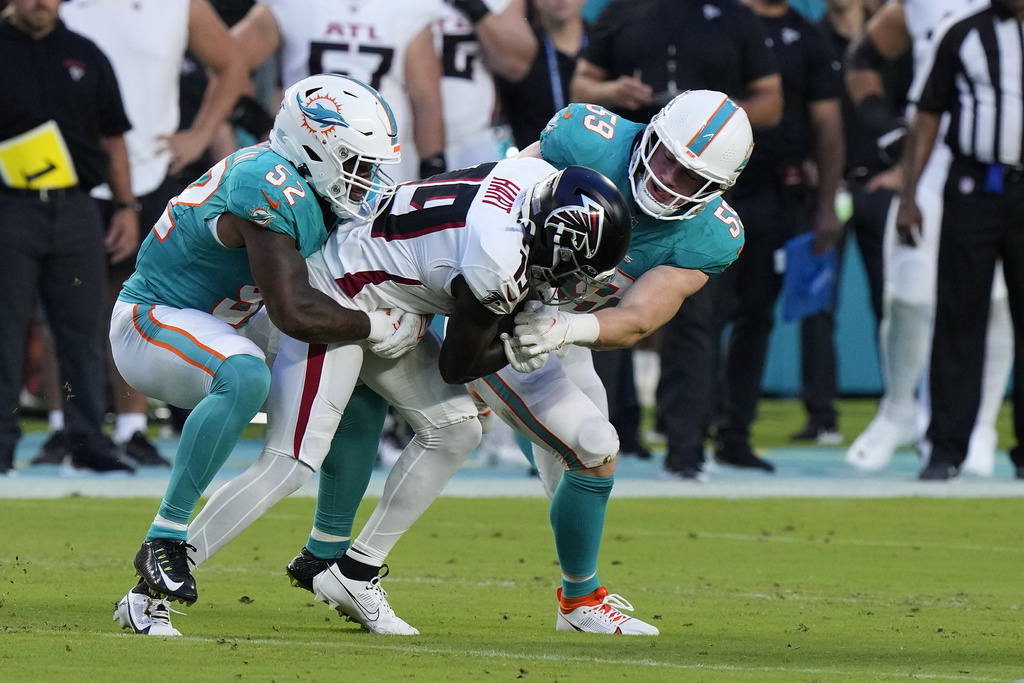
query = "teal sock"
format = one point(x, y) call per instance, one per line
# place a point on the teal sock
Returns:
point(209, 434)
point(577, 518)
point(346, 473)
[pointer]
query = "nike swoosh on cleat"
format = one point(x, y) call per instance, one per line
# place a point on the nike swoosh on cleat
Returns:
point(369, 617)
point(173, 585)
point(131, 619)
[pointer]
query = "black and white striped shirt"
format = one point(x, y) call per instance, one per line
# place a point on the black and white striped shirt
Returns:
point(977, 74)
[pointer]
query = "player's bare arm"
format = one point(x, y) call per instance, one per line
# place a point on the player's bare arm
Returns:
point(256, 36)
point(208, 39)
point(885, 38)
point(296, 308)
point(650, 303)
point(921, 136)
point(123, 233)
point(647, 305)
point(471, 347)
point(763, 102)
point(507, 41)
point(423, 80)
point(829, 156)
point(590, 84)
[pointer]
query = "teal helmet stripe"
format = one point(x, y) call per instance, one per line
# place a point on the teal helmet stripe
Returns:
point(714, 125)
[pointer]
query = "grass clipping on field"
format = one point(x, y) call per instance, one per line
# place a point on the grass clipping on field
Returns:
point(742, 590)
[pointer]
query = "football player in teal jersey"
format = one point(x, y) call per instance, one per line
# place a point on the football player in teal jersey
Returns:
point(675, 169)
point(234, 240)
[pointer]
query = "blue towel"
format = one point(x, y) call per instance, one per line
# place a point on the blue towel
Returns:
point(809, 282)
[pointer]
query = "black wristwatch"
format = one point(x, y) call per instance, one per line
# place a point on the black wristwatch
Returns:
point(135, 205)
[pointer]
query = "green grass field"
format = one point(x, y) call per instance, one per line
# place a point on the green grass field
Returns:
point(742, 590)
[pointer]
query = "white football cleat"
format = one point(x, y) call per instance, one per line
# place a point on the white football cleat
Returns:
point(145, 614)
point(981, 451)
point(874, 448)
point(364, 602)
point(601, 615)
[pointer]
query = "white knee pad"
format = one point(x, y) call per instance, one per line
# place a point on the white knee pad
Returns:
point(598, 441)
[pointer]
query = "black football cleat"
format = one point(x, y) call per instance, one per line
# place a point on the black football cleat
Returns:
point(304, 567)
point(163, 565)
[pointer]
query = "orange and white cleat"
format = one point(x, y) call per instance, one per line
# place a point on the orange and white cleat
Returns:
point(599, 613)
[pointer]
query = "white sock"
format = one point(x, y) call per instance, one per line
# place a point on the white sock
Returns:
point(549, 467)
point(241, 501)
point(904, 341)
point(56, 420)
point(126, 424)
point(998, 361)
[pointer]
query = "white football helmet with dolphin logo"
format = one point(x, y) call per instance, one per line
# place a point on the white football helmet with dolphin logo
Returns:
point(338, 132)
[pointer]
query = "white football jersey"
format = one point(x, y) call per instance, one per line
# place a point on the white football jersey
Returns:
point(145, 42)
point(923, 16)
point(470, 99)
point(365, 39)
point(459, 223)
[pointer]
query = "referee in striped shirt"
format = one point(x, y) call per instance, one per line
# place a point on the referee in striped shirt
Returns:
point(977, 76)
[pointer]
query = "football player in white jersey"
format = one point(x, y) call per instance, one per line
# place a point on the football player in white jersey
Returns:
point(478, 38)
point(385, 43)
point(910, 269)
point(471, 244)
point(562, 406)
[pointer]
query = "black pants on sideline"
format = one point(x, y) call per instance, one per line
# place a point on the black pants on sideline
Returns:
point(978, 228)
point(54, 250)
point(745, 293)
point(615, 368)
point(818, 366)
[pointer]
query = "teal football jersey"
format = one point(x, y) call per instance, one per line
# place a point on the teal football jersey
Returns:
point(591, 136)
point(182, 263)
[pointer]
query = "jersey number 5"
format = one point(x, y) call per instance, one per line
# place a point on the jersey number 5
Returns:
point(725, 213)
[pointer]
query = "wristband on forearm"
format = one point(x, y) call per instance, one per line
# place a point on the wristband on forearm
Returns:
point(433, 165)
point(586, 328)
point(475, 10)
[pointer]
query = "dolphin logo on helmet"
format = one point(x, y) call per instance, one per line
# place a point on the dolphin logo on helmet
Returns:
point(326, 118)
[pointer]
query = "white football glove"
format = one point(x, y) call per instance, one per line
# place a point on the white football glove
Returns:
point(394, 332)
point(518, 359)
point(547, 329)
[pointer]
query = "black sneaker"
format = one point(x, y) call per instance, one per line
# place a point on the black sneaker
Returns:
point(163, 564)
point(689, 464)
point(141, 451)
point(99, 457)
point(6, 459)
point(54, 450)
point(742, 456)
point(938, 470)
point(304, 567)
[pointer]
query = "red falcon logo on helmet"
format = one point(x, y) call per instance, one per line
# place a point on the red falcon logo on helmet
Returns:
point(578, 226)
